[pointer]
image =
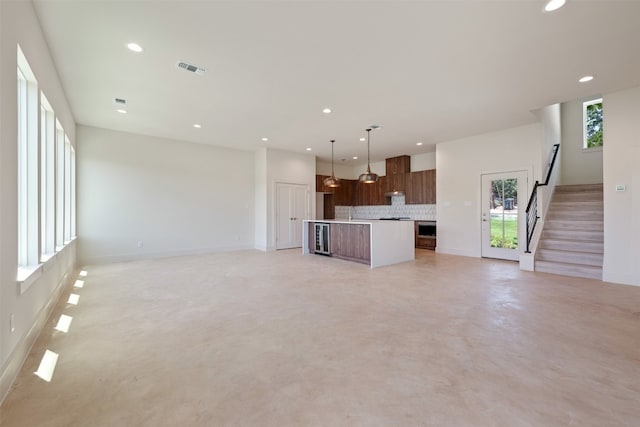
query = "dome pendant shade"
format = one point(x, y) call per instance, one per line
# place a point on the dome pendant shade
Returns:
point(368, 177)
point(332, 181)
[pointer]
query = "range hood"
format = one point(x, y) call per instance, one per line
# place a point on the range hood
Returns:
point(394, 193)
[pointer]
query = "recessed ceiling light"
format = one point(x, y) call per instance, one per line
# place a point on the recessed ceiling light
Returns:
point(265, 139)
point(418, 143)
point(552, 5)
point(327, 110)
point(355, 157)
point(121, 111)
point(363, 139)
point(197, 126)
point(135, 47)
point(585, 79)
point(308, 148)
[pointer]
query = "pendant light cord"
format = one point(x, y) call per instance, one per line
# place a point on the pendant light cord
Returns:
point(332, 174)
point(368, 152)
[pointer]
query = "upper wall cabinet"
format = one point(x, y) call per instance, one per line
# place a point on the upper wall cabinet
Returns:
point(421, 188)
point(400, 164)
point(372, 194)
point(345, 195)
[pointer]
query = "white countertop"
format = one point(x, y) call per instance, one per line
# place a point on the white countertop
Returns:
point(360, 221)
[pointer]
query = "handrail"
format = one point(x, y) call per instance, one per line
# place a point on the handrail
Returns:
point(532, 206)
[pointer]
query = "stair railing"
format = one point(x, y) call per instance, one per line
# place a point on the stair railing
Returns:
point(532, 206)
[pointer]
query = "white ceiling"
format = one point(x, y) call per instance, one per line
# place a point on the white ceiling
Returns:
point(427, 71)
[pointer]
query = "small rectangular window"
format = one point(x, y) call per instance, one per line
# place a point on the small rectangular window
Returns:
point(593, 123)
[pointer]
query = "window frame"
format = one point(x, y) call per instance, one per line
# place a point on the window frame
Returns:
point(28, 107)
point(47, 179)
point(585, 105)
point(59, 202)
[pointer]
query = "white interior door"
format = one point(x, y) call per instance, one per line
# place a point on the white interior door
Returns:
point(504, 200)
point(291, 209)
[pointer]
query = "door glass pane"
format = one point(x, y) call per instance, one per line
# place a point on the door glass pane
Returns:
point(504, 213)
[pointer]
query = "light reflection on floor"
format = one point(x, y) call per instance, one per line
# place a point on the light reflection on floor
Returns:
point(64, 323)
point(47, 365)
point(73, 299)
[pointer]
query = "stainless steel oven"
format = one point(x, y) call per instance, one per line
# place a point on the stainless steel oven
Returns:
point(323, 239)
point(426, 229)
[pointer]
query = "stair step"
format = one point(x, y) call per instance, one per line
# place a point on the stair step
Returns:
point(576, 235)
point(592, 205)
point(580, 258)
point(578, 188)
point(571, 224)
point(567, 269)
point(576, 215)
point(577, 198)
point(571, 245)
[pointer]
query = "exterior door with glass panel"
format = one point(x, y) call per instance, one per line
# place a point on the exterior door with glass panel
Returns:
point(504, 201)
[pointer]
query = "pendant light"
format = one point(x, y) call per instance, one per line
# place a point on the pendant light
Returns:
point(332, 181)
point(368, 177)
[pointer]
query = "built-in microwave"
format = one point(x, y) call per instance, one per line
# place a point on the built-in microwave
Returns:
point(322, 236)
point(426, 229)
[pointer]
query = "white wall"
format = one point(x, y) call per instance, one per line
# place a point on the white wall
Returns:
point(341, 171)
point(459, 166)
point(622, 166)
point(174, 197)
point(283, 167)
point(579, 166)
point(18, 24)
point(260, 214)
point(423, 162)
point(551, 120)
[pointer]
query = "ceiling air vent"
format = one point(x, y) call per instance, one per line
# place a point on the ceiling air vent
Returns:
point(120, 101)
point(192, 68)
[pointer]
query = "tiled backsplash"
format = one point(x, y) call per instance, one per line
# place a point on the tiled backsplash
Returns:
point(396, 209)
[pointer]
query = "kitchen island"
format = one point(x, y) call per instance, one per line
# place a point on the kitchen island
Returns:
point(369, 241)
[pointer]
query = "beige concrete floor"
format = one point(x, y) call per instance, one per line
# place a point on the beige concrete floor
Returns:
point(278, 339)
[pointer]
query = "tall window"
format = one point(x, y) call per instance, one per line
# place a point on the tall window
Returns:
point(60, 137)
point(67, 190)
point(47, 179)
point(592, 119)
point(28, 252)
point(73, 193)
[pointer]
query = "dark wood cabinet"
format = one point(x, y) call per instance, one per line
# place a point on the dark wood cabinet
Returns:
point(372, 194)
point(399, 164)
point(396, 182)
point(351, 242)
point(421, 188)
point(424, 242)
point(345, 195)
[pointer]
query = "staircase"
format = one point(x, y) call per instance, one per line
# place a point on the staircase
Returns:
point(572, 241)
